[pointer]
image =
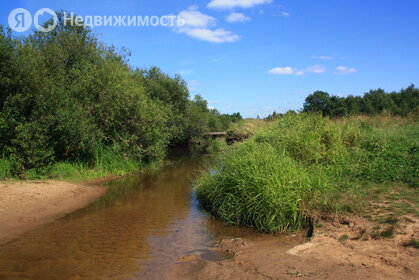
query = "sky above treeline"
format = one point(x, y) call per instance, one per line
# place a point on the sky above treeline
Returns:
point(260, 56)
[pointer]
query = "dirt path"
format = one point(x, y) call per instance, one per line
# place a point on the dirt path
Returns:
point(24, 205)
point(325, 256)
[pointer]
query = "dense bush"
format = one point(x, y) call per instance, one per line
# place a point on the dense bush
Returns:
point(65, 97)
point(274, 179)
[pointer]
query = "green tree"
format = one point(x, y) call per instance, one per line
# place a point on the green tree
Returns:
point(319, 101)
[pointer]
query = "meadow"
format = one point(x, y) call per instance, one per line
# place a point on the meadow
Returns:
point(304, 166)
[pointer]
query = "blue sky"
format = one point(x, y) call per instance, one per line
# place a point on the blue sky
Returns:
point(255, 56)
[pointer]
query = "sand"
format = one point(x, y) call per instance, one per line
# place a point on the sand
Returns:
point(324, 256)
point(25, 205)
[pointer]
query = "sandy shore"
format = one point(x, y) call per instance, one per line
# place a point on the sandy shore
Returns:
point(325, 256)
point(24, 205)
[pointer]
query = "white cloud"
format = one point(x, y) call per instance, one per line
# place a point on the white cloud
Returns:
point(342, 70)
point(279, 11)
point(230, 4)
point(317, 69)
point(281, 71)
point(184, 72)
point(237, 17)
point(197, 25)
point(323, 57)
point(217, 59)
point(194, 18)
point(205, 34)
point(193, 84)
point(288, 70)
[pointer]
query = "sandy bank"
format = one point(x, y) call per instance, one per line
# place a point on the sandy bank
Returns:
point(323, 257)
point(24, 205)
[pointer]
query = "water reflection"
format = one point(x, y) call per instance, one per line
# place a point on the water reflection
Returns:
point(135, 232)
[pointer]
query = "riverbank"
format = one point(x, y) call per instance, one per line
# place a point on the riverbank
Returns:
point(156, 226)
point(353, 181)
point(28, 204)
point(325, 256)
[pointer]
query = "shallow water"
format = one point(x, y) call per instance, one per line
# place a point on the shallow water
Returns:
point(136, 231)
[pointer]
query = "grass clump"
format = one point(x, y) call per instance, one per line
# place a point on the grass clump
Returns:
point(215, 146)
point(255, 186)
point(343, 238)
point(305, 164)
point(5, 169)
point(386, 233)
point(412, 243)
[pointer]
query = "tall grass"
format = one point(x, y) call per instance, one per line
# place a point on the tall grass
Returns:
point(106, 162)
point(257, 186)
point(243, 129)
point(215, 146)
point(305, 163)
point(5, 169)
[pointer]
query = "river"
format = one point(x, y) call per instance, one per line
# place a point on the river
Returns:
point(140, 228)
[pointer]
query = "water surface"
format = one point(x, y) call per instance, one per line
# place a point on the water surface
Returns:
point(136, 231)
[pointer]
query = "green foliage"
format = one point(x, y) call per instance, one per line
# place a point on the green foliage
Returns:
point(106, 162)
point(386, 152)
point(65, 96)
point(373, 102)
point(256, 186)
point(303, 164)
point(215, 146)
point(343, 238)
point(388, 232)
point(319, 101)
point(243, 129)
point(5, 169)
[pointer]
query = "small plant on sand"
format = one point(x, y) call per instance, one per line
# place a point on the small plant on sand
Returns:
point(343, 238)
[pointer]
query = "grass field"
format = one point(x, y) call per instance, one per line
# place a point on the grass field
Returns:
point(306, 165)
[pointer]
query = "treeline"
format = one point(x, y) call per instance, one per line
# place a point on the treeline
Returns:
point(373, 102)
point(67, 97)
